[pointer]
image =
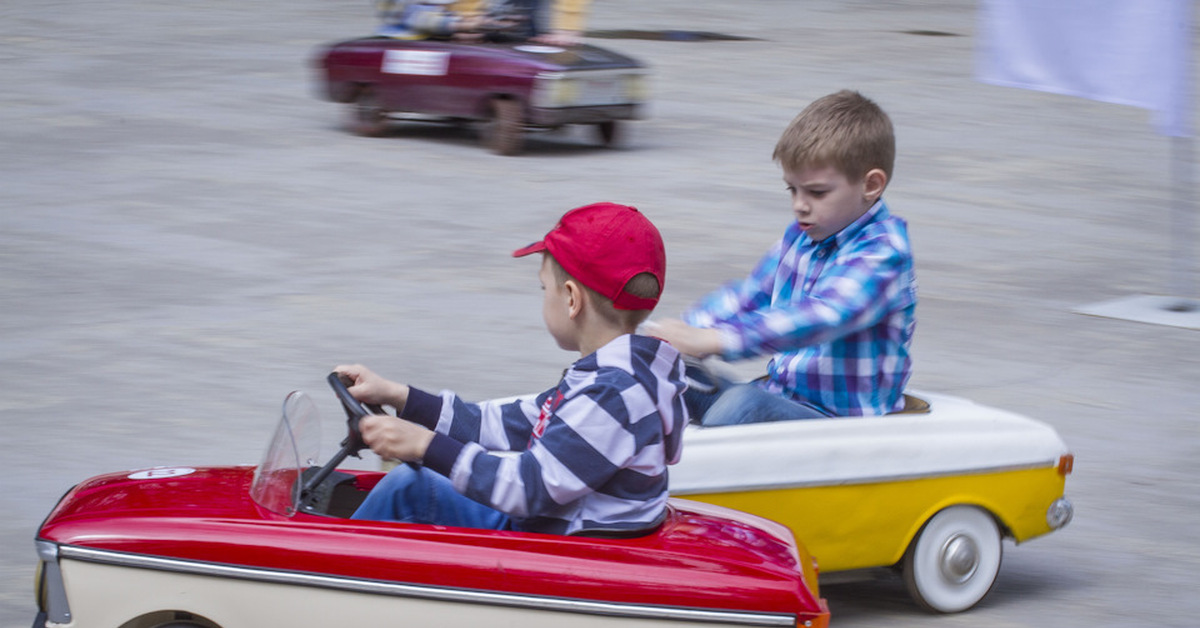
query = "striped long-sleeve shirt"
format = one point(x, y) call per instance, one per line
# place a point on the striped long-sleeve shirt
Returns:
point(593, 450)
point(838, 315)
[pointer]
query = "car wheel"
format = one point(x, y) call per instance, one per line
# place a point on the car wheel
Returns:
point(953, 562)
point(607, 132)
point(504, 133)
point(366, 114)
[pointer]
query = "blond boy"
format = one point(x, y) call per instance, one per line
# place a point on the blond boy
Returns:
point(834, 299)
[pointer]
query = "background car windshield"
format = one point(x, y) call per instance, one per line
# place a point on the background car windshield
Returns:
point(293, 448)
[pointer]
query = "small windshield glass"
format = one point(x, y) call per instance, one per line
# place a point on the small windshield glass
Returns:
point(293, 448)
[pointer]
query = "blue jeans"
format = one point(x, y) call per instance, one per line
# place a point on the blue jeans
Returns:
point(417, 495)
point(721, 402)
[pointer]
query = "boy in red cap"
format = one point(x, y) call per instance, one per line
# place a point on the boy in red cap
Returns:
point(591, 452)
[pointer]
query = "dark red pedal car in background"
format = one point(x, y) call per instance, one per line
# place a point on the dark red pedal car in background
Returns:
point(509, 87)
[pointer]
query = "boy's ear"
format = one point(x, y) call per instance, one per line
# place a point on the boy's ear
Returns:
point(873, 184)
point(575, 297)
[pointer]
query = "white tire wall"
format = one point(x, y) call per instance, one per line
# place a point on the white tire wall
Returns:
point(953, 562)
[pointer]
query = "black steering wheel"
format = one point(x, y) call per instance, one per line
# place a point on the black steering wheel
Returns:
point(351, 445)
point(355, 410)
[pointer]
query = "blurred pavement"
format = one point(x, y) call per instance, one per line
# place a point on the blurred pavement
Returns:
point(186, 235)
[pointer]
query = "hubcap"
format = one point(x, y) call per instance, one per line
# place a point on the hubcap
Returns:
point(959, 559)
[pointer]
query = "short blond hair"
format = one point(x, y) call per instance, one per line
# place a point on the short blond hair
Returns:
point(846, 131)
point(642, 285)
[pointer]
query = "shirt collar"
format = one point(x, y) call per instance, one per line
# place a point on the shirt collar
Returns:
point(878, 211)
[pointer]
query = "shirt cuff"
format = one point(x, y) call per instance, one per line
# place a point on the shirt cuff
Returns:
point(442, 454)
point(733, 346)
point(422, 408)
point(698, 318)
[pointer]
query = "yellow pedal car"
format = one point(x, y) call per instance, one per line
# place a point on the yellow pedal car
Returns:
point(932, 490)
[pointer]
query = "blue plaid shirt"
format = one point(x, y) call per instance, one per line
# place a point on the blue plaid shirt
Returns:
point(838, 315)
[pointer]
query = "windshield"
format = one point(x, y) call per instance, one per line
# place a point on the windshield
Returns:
point(293, 448)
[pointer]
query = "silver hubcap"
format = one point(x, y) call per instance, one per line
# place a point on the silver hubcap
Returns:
point(959, 558)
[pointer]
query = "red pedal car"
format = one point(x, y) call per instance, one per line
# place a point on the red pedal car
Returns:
point(271, 545)
point(509, 87)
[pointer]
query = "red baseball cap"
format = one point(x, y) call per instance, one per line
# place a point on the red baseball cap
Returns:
point(604, 245)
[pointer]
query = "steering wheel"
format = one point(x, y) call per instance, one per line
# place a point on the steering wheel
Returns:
point(351, 445)
point(699, 376)
point(355, 410)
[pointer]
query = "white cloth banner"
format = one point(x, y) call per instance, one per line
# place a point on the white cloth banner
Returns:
point(1129, 52)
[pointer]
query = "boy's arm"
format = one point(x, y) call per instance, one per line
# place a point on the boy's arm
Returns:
point(569, 15)
point(849, 296)
point(368, 387)
point(468, 7)
point(699, 342)
point(496, 425)
point(566, 23)
point(423, 424)
point(395, 439)
point(735, 298)
point(435, 20)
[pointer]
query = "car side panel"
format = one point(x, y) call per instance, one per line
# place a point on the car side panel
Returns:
point(427, 77)
point(854, 526)
point(106, 596)
point(459, 80)
point(476, 78)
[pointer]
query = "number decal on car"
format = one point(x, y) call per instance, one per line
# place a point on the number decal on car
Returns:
point(421, 62)
point(159, 473)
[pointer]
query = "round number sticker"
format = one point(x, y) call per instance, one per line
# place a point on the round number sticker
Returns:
point(158, 473)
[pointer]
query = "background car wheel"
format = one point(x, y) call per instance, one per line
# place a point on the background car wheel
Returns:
point(366, 115)
point(954, 560)
point(504, 133)
point(608, 133)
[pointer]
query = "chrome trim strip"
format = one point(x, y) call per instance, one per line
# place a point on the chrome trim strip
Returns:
point(899, 477)
point(442, 594)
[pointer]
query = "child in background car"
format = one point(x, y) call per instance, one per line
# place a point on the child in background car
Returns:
point(514, 19)
point(420, 19)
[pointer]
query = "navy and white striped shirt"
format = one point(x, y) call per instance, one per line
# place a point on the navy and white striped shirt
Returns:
point(593, 450)
point(838, 315)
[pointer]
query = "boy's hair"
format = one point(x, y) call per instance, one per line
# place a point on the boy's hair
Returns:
point(607, 248)
point(846, 131)
point(642, 285)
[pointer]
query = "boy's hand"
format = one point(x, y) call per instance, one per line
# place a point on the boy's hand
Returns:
point(369, 388)
point(694, 341)
point(394, 438)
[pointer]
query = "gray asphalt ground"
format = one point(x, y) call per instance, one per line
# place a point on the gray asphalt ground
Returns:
point(186, 235)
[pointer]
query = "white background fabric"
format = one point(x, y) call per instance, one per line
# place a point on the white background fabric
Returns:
point(1131, 52)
